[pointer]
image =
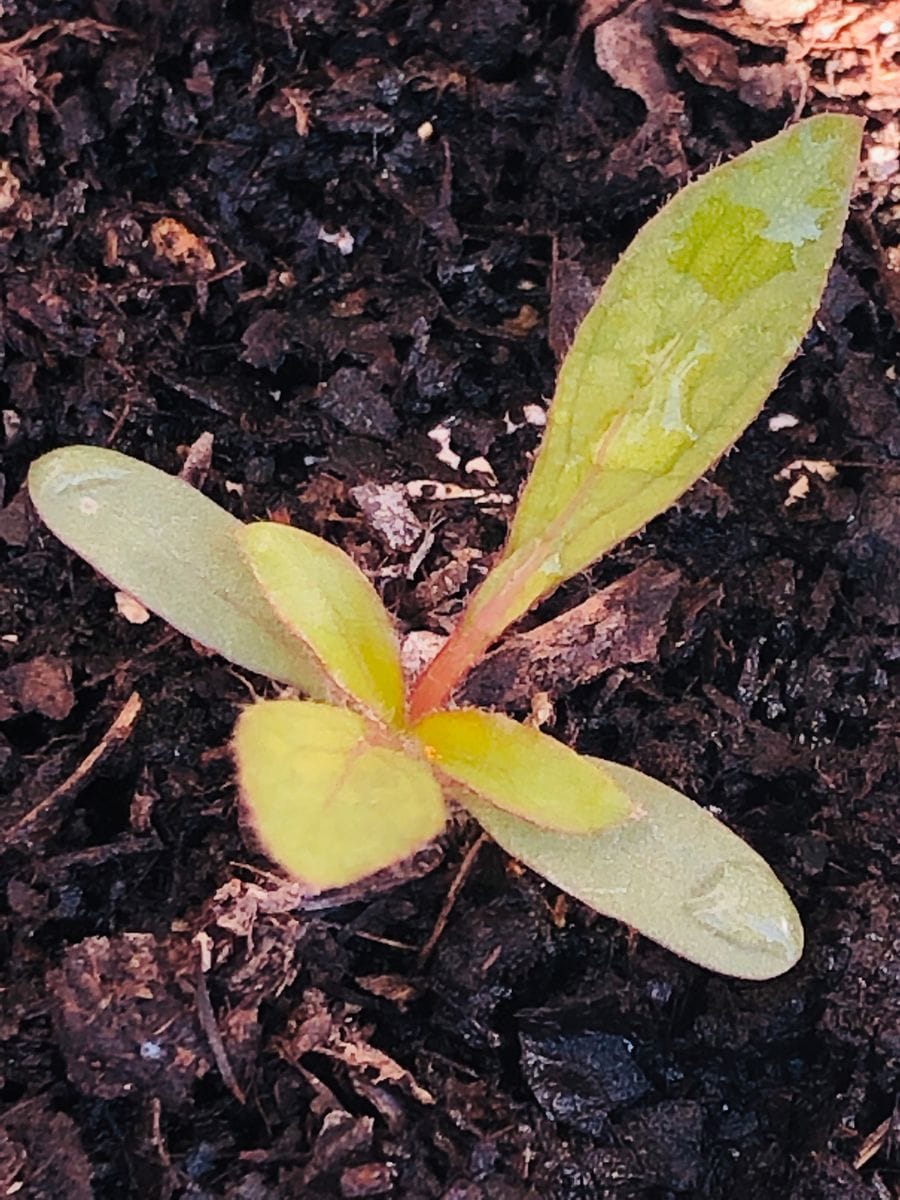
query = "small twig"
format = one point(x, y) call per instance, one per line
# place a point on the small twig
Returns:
point(160, 284)
point(455, 887)
point(157, 1140)
point(92, 856)
point(210, 1027)
point(873, 1143)
point(381, 941)
point(118, 732)
point(76, 29)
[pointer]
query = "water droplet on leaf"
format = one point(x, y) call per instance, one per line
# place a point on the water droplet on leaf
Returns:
point(738, 903)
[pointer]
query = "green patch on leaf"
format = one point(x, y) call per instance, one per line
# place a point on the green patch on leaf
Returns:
point(705, 249)
point(688, 337)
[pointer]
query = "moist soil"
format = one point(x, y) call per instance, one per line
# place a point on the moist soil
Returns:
point(349, 241)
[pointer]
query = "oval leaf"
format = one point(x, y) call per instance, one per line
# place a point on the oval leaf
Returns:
point(322, 595)
point(523, 771)
point(332, 796)
point(673, 872)
point(160, 540)
point(687, 339)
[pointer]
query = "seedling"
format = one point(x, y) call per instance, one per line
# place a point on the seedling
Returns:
point(674, 360)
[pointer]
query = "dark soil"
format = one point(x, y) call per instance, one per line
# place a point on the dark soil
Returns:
point(318, 230)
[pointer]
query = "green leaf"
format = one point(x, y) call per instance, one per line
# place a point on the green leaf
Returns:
point(163, 542)
point(321, 594)
point(673, 872)
point(332, 796)
point(523, 771)
point(687, 339)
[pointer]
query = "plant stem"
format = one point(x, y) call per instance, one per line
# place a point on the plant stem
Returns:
point(509, 589)
point(456, 657)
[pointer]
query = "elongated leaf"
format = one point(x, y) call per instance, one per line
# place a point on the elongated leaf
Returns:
point(673, 872)
point(523, 771)
point(320, 593)
point(162, 541)
point(333, 797)
point(688, 338)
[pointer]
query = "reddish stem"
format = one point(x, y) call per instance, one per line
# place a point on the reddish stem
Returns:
point(510, 592)
point(435, 685)
point(488, 614)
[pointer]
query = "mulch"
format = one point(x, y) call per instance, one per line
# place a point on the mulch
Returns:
point(338, 247)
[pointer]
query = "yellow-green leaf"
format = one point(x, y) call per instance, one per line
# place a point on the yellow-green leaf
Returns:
point(162, 541)
point(671, 871)
point(687, 339)
point(523, 771)
point(332, 796)
point(321, 594)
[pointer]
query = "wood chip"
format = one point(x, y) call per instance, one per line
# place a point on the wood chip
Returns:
point(131, 609)
point(41, 685)
point(174, 242)
point(621, 624)
point(197, 460)
point(839, 49)
point(396, 988)
point(387, 510)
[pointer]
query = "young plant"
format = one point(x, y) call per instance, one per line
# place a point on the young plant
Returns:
point(675, 359)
